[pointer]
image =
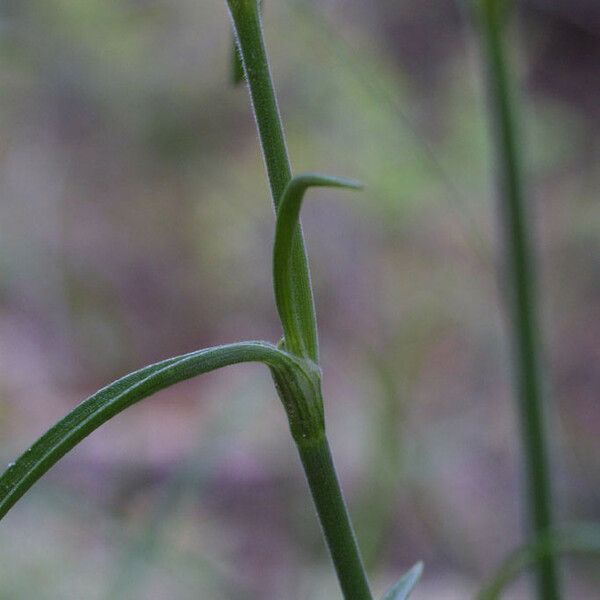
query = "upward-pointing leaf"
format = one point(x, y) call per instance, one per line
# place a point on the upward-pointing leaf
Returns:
point(111, 400)
point(297, 341)
point(403, 589)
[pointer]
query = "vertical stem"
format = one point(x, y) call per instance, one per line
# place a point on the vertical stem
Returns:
point(521, 270)
point(248, 29)
point(333, 515)
point(314, 451)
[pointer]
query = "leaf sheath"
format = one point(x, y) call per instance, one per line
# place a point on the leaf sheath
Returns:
point(284, 249)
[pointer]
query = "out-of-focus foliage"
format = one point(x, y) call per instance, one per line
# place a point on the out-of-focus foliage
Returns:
point(129, 168)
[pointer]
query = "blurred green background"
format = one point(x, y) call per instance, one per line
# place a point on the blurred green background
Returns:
point(135, 223)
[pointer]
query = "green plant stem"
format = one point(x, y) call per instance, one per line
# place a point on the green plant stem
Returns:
point(521, 270)
point(248, 29)
point(331, 508)
point(314, 449)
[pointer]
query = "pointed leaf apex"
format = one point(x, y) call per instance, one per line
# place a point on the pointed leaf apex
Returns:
point(404, 587)
point(306, 180)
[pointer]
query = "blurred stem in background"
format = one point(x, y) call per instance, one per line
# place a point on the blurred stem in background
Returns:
point(395, 370)
point(520, 266)
point(378, 511)
point(581, 538)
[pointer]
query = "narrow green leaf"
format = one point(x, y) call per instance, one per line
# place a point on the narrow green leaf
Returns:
point(403, 589)
point(287, 242)
point(111, 400)
point(582, 538)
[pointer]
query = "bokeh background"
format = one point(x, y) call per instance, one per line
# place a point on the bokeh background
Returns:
point(135, 223)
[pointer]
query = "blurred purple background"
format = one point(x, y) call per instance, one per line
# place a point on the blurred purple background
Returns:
point(135, 223)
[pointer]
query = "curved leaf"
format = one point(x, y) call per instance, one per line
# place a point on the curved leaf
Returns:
point(583, 538)
point(404, 587)
point(297, 340)
point(111, 400)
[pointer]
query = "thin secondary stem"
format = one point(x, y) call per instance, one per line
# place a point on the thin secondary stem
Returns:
point(581, 538)
point(333, 515)
point(521, 271)
point(248, 29)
